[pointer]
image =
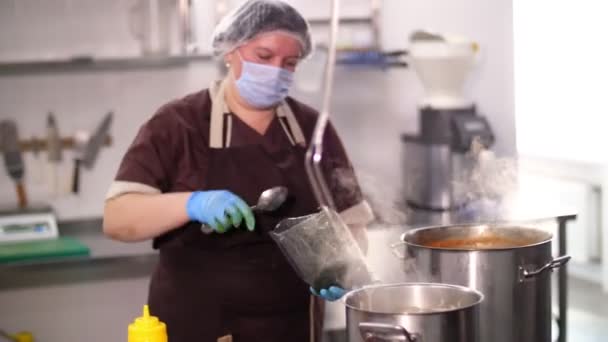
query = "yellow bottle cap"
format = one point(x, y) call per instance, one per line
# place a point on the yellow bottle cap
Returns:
point(147, 329)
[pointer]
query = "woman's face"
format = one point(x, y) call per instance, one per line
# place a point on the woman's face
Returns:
point(277, 49)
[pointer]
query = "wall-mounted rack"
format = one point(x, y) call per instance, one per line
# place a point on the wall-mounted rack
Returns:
point(87, 64)
point(36, 144)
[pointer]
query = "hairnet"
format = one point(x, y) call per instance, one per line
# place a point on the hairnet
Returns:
point(259, 16)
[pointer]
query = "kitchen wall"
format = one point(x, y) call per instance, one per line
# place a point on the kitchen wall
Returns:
point(371, 109)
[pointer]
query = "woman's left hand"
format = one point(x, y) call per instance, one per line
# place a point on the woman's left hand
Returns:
point(331, 294)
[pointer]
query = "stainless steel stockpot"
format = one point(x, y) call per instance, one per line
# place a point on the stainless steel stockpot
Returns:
point(413, 312)
point(508, 264)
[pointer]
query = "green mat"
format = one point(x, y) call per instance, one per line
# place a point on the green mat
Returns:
point(42, 250)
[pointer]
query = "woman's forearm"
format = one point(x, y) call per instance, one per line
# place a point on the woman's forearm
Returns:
point(138, 217)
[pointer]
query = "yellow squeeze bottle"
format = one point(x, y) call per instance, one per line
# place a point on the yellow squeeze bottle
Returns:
point(23, 336)
point(147, 329)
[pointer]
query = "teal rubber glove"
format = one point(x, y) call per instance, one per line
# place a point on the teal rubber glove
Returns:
point(331, 294)
point(219, 209)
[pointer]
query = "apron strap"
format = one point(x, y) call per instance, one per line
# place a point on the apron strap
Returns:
point(218, 109)
point(290, 124)
point(218, 138)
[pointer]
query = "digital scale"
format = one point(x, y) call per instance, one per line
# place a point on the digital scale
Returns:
point(28, 226)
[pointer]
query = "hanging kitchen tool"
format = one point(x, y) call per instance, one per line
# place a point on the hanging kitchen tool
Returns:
point(314, 155)
point(81, 139)
point(9, 141)
point(87, 148)
point(54, 151)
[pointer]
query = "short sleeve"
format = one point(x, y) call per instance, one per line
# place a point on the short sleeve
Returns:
point(342, 181)
point(145, 166)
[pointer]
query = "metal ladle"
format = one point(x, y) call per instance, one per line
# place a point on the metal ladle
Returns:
point(314, 154)
point(269, 200)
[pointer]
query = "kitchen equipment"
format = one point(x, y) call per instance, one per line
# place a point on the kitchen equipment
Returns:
point(81, 138)
point(54, 151)
point(13, 161)
point(87, 148)
point(509, 263)
point(413, 312)
point(154, 23)
point(23, 226)
point(322, 250)
point(270, 200)
point(96, 141)
point(439, 156)
point(33, 235)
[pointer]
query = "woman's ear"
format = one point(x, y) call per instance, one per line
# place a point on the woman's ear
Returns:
point(228, 59)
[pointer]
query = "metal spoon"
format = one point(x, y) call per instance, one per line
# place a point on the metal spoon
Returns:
point(269, 200)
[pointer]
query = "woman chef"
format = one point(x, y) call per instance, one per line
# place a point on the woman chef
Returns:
point(205, 158)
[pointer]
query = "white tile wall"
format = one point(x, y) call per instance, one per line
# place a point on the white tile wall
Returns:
point(79, 101)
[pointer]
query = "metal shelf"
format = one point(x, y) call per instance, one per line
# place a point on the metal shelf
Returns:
point(344, 20)
point(91, 64)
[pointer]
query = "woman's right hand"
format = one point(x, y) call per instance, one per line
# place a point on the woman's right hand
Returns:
point(219, 209)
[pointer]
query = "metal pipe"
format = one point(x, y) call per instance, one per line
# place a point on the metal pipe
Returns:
point(314, 155)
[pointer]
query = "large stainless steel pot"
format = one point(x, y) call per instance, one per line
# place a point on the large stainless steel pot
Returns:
point(413, 312)
point(508, 264)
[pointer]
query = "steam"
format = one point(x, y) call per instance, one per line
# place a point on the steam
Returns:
point(387, 205)
point(381, 196)
point(388, 224)
point(487, 186)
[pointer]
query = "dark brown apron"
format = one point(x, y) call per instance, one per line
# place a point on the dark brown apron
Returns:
point(238, 283)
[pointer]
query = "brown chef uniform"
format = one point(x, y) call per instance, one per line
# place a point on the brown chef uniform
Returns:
point(238, 283)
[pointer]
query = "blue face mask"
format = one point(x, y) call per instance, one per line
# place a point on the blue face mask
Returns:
point(263, 86)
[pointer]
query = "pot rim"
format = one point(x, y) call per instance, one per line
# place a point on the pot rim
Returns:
point(463, 289)
point(414, 231)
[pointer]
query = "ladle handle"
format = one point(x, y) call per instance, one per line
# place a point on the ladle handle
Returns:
point(378, 332)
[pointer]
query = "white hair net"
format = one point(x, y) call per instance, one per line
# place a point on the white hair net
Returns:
point(259, 16)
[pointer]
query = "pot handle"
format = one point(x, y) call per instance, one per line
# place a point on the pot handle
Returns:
point(378, 332)
point(555, 263)
point(394, 246)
